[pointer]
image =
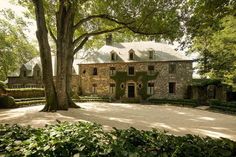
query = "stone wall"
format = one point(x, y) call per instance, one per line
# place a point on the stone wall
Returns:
point(102, 80)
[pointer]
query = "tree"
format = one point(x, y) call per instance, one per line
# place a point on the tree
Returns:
point(211, 30)
point(72, 23)
point(15, 49)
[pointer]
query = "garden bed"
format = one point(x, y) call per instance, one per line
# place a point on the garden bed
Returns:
point(89, 139)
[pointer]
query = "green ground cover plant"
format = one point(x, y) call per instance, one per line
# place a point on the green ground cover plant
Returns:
point(89, 139)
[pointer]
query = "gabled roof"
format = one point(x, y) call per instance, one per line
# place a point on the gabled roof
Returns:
point(36, 61)
point(162, 52)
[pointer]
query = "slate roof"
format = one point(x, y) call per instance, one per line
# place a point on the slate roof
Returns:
point(32, 63)
point(162, 52)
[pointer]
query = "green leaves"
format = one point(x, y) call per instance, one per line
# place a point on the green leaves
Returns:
point(88, 139)
point(15, 49)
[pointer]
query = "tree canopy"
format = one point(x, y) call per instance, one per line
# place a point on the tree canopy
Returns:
point(15, 48)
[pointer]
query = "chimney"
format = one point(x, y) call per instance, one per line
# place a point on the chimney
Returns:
point(109, 39)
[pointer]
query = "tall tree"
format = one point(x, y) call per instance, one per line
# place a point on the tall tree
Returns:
point(210, 23)
point(15, 49)
point(72, 23)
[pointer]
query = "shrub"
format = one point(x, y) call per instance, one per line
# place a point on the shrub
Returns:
point(26, 92)
point(184, 102)
point(7, 102)
point(89, 139)
point(223, 106)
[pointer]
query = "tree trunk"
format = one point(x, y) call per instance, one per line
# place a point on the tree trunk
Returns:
point(69, 80)
point(65, 19)
point(45, 55)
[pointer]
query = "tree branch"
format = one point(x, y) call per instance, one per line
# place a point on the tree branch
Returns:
point(80, 45)
point(76, 41)
point(52, 35)
point(102, 16)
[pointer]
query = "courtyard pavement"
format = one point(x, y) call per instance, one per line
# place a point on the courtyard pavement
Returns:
point(176, 120)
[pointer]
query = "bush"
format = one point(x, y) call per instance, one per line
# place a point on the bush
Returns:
point(184, 102)
point(224, 106)
point(26, 92)
point(7, 102)
point(89, 139)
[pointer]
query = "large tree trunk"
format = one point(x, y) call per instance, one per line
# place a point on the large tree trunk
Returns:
point(65, 19)
point(45, 54)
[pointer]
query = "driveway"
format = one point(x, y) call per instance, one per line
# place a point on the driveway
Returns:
point(176, 120)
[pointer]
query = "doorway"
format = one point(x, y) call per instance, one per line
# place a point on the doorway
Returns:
point(131, 90)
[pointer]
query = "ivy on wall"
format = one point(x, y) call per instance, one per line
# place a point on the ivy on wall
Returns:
point(139, 78)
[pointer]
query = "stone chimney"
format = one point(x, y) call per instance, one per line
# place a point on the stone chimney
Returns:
point(109, 39)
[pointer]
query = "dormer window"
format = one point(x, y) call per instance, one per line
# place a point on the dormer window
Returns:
point(131, 54)
point(38, 73)
point(24, 73)
point(113, 56)
point(151, 55)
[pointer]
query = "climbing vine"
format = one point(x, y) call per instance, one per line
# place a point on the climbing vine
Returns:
point(139, 77)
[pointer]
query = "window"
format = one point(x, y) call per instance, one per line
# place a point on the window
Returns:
point(172, 87)
point(150, 89)
point(112, 71)
point(151, 69)
point(151, 54)
point(94, 88)
point(38, 73)
point(95, 71)
point(113, 56)
point(112, 88)
point(122, 86)
point(131, 56)
point(172, 68)
point(24, 74)
point(131, 71)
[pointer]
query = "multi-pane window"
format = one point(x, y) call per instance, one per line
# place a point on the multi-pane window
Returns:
point(112, 71)
point(150, 88)
point(113, 56)
point(94, 88)
point(172, 87)
point(172, 68)
point(151, 54)
point(151, 69)
point(131, 70)
point(112, 88)
point(95, 71)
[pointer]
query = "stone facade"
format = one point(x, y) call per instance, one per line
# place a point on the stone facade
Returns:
point(26, 80)
point(100, 84)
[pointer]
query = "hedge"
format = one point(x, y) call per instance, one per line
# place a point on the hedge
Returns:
point(187, 102)
point(88, 139)
point(93, 98)
point(224, 106)
point(26, 92)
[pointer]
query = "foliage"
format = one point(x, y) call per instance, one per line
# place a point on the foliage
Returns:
point(93, 98)
point(15, 49)
point(211, 34)
point(2, 85)
point(205, 82)
point(184, 102)
point(88, 139)
point(223, 106)
point(139, 78)
point(7, 102)
point(18, 93)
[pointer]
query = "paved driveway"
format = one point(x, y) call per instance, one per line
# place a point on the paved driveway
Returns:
point(176, 120)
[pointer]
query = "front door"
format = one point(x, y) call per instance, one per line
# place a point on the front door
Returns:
point(131, 90)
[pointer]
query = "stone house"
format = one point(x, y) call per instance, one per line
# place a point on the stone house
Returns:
point(136, 70)
point(29, 75)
